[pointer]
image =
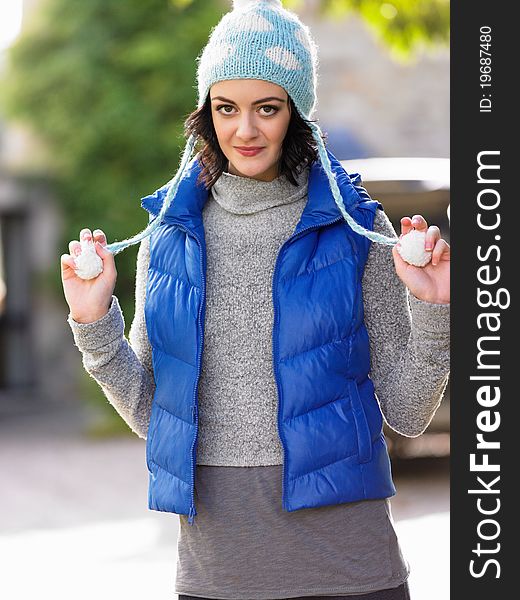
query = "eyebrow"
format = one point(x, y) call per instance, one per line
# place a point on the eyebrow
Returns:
point(262, 100)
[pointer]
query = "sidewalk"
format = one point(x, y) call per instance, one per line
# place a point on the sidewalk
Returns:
point(74, 520)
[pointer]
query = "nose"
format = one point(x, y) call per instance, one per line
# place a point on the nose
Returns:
point(246, 129)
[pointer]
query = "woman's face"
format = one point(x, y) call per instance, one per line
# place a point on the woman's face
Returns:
point(251, 113)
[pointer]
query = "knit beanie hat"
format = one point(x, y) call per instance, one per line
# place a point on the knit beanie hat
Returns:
point(259, 39)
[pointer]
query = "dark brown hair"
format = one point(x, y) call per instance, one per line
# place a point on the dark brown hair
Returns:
point(299, 147)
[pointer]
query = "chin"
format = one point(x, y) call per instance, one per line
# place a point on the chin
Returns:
point(248, 168)
point(251, 171)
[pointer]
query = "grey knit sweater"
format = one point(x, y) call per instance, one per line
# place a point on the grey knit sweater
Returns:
point(246, 221)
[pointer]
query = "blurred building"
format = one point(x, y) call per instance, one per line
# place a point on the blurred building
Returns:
point(30, 351)
point(389, 108)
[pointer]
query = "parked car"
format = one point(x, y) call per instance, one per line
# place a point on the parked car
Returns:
point(408, 186)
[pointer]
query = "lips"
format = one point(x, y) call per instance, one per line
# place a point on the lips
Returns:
point(245, 151)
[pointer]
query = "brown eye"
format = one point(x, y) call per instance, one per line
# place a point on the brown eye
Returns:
point(272, 109)
point(225, 111)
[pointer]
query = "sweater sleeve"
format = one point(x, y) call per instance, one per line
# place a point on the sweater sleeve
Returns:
point(123, 369)
point(409, 342)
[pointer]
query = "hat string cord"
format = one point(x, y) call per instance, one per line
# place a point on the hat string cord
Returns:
point(371, 235)
point(117, 247)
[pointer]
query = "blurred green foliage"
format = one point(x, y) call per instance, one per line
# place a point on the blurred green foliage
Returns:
point(107, 85)
point(405, 26)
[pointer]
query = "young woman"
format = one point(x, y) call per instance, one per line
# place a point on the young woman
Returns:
point(270, 337)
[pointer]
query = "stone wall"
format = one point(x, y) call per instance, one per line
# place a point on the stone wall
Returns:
point(394, 109)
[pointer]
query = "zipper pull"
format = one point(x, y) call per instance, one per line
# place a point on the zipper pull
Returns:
point(191, 515)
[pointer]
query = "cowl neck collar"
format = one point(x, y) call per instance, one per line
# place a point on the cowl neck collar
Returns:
point(245, 196)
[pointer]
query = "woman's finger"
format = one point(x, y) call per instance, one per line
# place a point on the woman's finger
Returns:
point(440, 252)
point(432, 235)
point(419, 222)
point(406, 225)
point(85, 234)
point(74, 248)
point(109, 265)
point(67, 261)
point(100, 237)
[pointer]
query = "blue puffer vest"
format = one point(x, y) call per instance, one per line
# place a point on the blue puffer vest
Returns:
point(329, 420)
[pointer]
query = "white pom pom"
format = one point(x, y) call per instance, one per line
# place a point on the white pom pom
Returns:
point(412, 249)
point(240, 4)
point(88, 263)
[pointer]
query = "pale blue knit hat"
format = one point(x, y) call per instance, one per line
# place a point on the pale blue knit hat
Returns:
point(259, 39)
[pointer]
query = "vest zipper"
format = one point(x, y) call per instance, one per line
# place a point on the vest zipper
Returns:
point(194, 408)
point(275, 342)
point(195, 419)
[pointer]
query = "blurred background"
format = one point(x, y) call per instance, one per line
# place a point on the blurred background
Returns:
point(93, 96)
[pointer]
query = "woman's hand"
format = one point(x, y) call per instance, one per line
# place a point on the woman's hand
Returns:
point(88, 299)
point(432, 282)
